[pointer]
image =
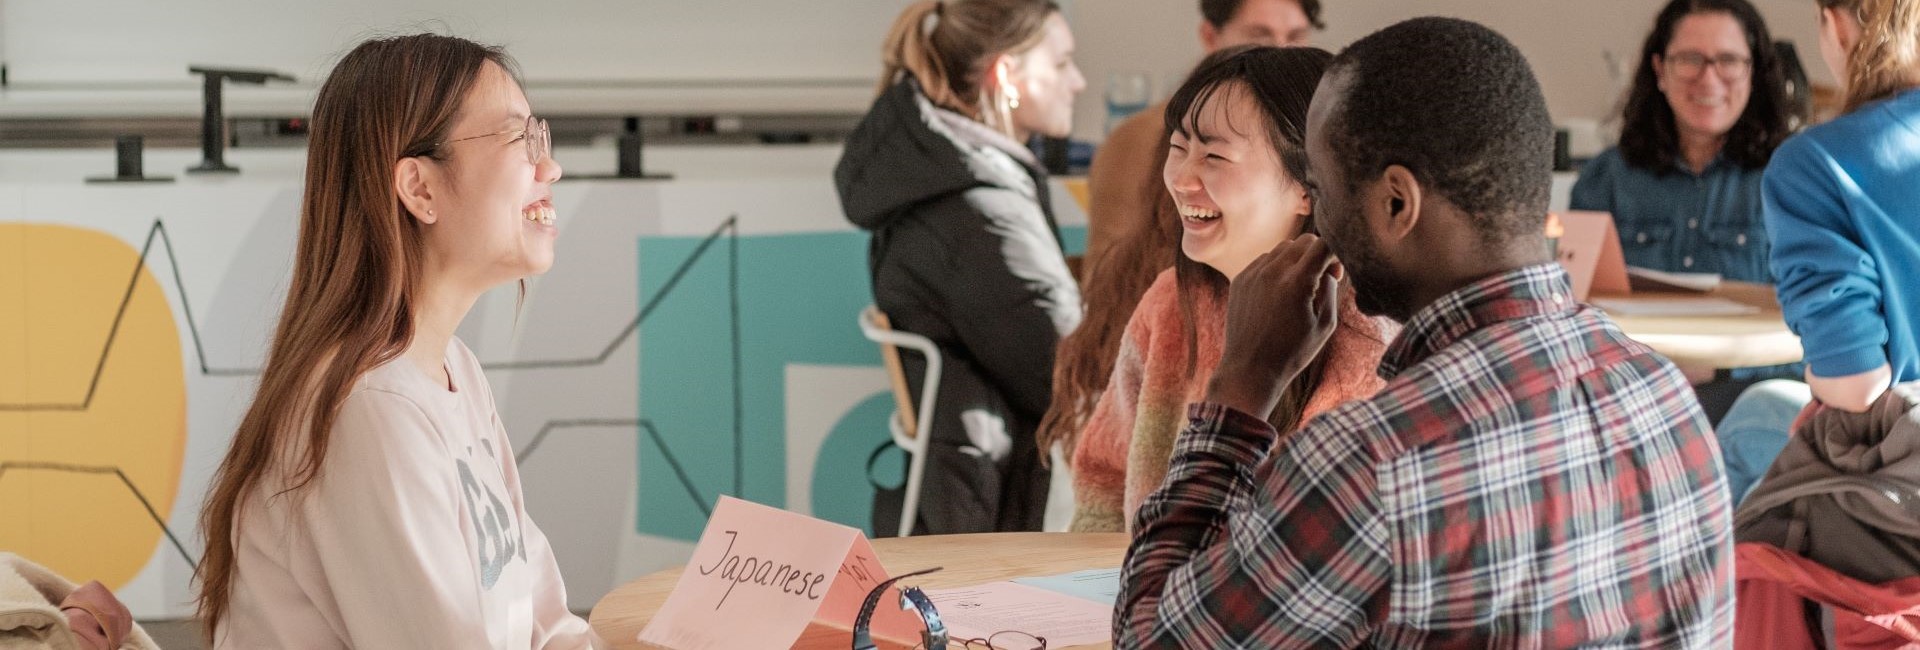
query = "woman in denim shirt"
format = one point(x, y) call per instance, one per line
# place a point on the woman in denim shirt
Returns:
point(1707, 109)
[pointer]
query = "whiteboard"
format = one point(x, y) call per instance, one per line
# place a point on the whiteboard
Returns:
point(121, 43)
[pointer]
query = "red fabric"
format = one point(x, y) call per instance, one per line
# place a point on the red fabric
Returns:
point(1770, 584)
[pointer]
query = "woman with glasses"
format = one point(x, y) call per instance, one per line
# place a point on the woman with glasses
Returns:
point(1707, 108)
point(370, 498)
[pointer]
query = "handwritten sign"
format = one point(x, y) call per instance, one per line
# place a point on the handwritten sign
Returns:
point(761, 576)
point(1590, 249)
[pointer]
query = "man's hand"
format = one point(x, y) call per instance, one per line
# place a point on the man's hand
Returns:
point(1280, 312)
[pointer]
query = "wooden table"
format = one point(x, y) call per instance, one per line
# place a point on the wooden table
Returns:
point(1757, 339)
point(968, 560)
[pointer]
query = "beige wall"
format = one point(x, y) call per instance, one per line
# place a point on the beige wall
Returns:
point(1564, 39)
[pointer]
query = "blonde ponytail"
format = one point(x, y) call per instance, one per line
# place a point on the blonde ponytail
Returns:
point(946, 45)
point(909, 49)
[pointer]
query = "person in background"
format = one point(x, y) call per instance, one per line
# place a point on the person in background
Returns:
point(370, 498)
point(1707, 109)
point(1843, 210)
point(965, 250)
point(1133, 230)
point(1528, 477)
point(1236, 160)
point(1842, 204)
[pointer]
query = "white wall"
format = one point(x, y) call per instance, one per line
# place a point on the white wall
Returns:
point(1564, 39)
point(121, 41)
point(719, 40)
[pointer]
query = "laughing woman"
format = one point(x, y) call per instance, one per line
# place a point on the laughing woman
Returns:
point(370, 498)
point(1236, 157)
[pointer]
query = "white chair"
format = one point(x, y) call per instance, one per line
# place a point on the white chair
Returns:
point(910, 433)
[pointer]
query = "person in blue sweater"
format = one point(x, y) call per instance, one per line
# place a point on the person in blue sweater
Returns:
point(1842, 203)
point(1707, 109)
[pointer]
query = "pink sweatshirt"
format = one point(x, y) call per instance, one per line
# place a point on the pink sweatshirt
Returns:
point(1123, 454)
point(413, 536)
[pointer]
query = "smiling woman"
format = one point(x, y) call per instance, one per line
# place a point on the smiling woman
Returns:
point(371, 498)
point(965, 248)
point(1235, 126)
point(1707, 109)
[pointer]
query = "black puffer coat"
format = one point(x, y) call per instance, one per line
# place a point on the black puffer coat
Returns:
point(965, 252)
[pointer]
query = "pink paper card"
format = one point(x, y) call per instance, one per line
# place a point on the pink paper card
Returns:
point(761, 575)
point(1590, 250)
point(859, 574)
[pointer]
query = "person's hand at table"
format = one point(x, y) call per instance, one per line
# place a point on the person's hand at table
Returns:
point(1280, 312)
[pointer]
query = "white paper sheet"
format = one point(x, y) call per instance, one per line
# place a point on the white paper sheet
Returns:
point(981, 610)
point(1098, 585)
point(1645, 279)
point(1705, 306)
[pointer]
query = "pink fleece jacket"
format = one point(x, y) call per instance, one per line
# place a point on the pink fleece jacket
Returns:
point(1123, 453)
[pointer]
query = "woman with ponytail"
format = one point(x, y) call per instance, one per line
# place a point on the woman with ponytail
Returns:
point(965, 250)
point(370, 498)
point(1842, 204)
point(1842, 207)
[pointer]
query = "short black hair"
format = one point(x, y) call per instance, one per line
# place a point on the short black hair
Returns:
point(1650, 140)
point(1456, 104)
point(1218, 12)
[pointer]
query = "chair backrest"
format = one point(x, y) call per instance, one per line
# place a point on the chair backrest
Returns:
point(896, 373)
point(876, 327)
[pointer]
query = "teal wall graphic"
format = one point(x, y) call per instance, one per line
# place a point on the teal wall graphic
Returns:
point(797, 296)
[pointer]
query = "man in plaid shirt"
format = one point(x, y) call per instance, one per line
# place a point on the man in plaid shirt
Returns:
point(1528, 478)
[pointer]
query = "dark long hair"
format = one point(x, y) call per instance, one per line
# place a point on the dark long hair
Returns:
point(1281, 82)
point(1649, 138)
point(356, 270)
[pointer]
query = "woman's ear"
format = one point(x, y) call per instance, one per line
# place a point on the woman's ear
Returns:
point(411, 181)
point(1004, 76)
point(1840, 25)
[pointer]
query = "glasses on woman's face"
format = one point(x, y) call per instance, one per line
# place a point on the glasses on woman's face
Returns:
point(538, 140)
point(1690, 65)
point(1008, 640)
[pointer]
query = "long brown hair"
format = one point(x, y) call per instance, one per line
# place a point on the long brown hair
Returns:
point(950, 56)
point(1116, 279)
point(355, 273)
point(1281, 82)
point(1887, 58)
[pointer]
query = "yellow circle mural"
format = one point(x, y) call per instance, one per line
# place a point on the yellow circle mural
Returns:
point(73, 409)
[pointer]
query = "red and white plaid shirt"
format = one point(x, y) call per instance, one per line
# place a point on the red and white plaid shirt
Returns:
point(1528, 478)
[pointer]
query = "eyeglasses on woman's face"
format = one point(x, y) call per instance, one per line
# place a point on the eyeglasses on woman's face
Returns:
point(1690, 65)
point(538, 139)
